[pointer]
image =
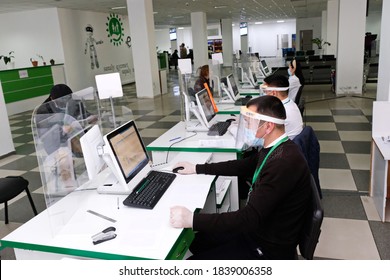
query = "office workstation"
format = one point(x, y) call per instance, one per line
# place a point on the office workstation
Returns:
point(229, 109)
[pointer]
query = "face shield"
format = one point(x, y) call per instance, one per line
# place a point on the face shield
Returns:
point(266, 89)
point(248, 125)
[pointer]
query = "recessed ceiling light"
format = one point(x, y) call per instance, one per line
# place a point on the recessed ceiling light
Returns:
point(178, 17)
point(220, 7)
point(259, 22)
point(118, 8)
point(180, 28)
point(280, 21)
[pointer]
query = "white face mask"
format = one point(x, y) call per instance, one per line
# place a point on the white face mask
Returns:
point(289, 72)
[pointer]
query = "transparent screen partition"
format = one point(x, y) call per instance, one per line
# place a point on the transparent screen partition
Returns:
point(57, 127)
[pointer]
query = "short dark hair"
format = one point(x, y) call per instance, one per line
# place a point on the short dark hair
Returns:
point(277, 81)
point(268, 105)
point(59, 90)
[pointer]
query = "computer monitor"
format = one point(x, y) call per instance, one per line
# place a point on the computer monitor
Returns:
point(264, 68)
point(252, 77)
point(127, 153)
point(232, 86)
point(91, 143)
point(205, 106)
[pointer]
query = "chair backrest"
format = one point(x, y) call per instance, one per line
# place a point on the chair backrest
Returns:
point(310, 147)
point(299, 94)
point(310, 52)
point(312, 227)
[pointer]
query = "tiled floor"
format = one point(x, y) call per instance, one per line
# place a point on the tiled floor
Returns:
point(351, 228)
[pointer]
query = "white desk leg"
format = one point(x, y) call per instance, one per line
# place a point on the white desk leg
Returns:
point(379, 181)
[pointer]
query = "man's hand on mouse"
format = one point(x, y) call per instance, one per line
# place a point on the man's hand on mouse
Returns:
point(188, 168)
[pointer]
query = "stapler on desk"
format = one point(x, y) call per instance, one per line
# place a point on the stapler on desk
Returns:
point(107, 234)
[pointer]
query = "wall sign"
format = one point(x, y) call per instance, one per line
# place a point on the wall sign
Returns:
point(115, 29)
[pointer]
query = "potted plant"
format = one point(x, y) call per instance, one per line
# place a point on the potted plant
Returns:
point(320, 42)
point(7, 58)
point(43, 60)
point(34, 62)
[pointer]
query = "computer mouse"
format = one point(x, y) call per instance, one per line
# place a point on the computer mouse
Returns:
point(248, 96)
point(176, 169)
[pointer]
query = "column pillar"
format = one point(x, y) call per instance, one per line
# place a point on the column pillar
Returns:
point(227, 42)
point(350, 49)
point(332, 25)
point(143, 41)
point(324, 18)
point(199, 38)
point(383, 90)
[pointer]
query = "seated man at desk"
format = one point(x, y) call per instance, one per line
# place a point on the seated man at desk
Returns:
point(278, 85)
point(268, 227)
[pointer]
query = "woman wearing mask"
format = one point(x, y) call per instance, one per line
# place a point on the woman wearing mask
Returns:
point(296, 79)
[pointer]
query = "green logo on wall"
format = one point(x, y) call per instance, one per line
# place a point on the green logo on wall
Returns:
point(115, 29)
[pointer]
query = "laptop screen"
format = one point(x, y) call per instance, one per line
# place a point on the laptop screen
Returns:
point(205, 105)
point(128, 149)
point(232, 85)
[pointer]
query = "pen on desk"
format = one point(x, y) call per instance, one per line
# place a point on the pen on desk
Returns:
point(176, 138)
point(117, 202)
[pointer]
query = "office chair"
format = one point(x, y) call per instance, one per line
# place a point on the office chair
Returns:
point(312, 227)
point(299, 94)
point(310, 147)
point(10, 187)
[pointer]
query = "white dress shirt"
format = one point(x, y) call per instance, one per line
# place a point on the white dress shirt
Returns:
point(294, 123)
point(294, 87)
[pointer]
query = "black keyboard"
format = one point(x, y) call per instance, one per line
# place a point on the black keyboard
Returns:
point(149, 191)
point(242, 101)
point(219, 128)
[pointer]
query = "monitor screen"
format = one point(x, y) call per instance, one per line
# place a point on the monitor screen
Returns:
point(128, 150)
point(90, 143)
point(232, 85)
point(172, 34)
point(243, 28)
point(264, 67)
point(206, 105)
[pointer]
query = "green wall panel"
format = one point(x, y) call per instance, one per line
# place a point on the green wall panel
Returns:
point(38, 83)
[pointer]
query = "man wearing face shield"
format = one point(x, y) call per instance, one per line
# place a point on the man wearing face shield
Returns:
point(278, 85)
point(269, 225)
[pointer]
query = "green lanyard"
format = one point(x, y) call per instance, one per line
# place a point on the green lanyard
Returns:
point(258, 170)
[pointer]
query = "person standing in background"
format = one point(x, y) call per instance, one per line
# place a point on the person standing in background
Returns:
point(183, 51)
point(295, 79)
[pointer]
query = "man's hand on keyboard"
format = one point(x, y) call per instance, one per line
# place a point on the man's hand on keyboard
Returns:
point(188, 168)
point(180, 217)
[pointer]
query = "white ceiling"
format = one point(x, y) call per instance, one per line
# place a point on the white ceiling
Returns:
point(177, 12)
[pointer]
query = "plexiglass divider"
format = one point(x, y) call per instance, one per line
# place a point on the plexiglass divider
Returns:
point(57, 127)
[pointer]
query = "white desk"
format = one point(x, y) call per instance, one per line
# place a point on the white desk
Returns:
point(380, 157)
point(222, 148)
point(141, 233)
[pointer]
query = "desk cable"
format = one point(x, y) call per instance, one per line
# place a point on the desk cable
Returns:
point(166, 159)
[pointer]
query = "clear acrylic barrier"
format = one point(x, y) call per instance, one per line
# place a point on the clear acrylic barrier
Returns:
point(57, 127)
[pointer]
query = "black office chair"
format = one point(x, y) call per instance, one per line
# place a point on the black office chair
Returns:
point(299, 94)
point(312, 227)
point(310, 147)
point(10, 187)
